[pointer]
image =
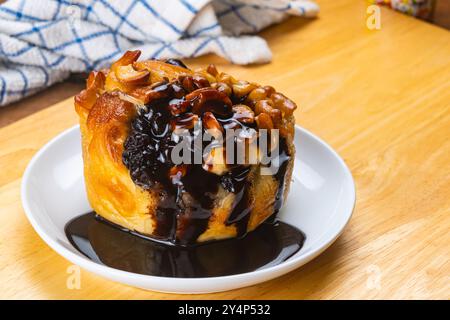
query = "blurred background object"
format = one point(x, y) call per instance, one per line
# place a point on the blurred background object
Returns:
point(441, 14)
point(435, 11)
point(418, 8)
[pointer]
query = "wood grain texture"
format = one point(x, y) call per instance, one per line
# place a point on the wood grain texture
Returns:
point(380, 98)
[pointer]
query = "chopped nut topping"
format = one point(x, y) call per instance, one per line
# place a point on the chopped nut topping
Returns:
point(191, 83)
point(128, 58)
point(243, 113)
point(226, 78)
point(266, 106)
point(205, 93)
point(129, 75)
point(269, 90)
point(264, 121)
point(222, 87)
point(212, 125)
point(188, 83)
point(212, 70)
point(151, 92)
point(257, 94)
point(203, 99)
point(263, 106)
point(286, 105)
point(200, 82)
point(242, 88)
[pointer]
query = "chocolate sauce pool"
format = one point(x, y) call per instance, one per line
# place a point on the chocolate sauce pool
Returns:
point(270, 244)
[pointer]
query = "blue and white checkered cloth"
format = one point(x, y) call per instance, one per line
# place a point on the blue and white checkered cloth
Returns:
point(43, 41)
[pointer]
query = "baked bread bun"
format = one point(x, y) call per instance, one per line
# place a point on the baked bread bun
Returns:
point(133, 116)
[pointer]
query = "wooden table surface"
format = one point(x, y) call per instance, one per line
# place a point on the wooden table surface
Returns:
point(380, 98)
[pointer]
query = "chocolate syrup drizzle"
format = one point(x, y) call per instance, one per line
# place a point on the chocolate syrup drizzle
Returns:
point(186, 204)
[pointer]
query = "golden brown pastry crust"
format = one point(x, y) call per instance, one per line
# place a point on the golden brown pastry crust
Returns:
point(109, 104)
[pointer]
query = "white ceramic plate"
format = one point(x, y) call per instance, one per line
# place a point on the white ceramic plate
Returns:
point(320, 204)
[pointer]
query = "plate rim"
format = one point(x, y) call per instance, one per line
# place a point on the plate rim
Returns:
point(114, 274)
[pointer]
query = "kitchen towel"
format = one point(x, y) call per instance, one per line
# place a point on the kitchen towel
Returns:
point(43, 41)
